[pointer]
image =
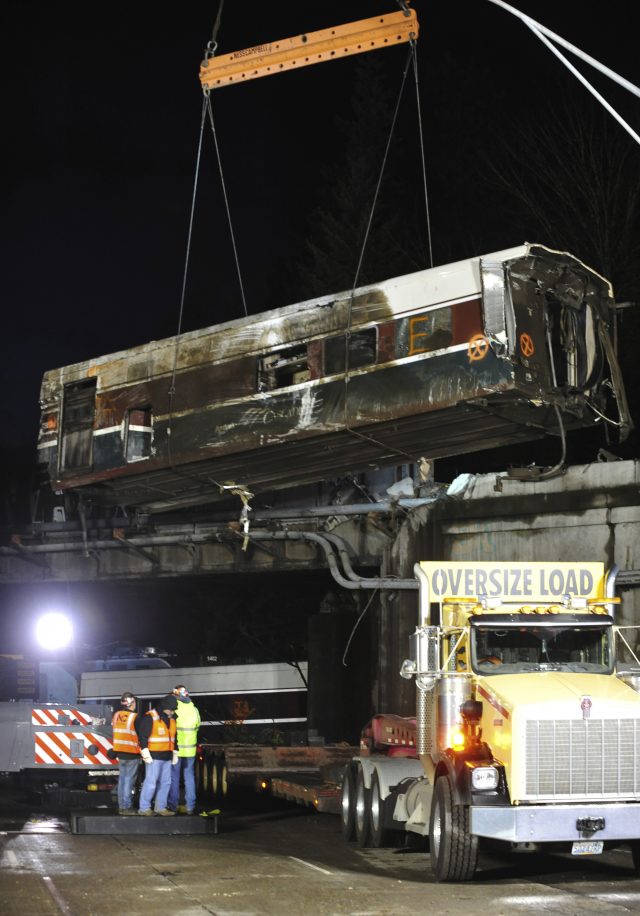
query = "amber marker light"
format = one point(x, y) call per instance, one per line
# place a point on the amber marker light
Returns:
point(457, 741)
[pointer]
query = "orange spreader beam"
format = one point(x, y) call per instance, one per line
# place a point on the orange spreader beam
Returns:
point(311, 48)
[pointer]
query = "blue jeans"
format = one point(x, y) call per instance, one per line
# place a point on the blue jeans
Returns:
point(127, 772)
point(185, 766)
point(157, 782)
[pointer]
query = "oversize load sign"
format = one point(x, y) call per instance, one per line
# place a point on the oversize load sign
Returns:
point(513, 581)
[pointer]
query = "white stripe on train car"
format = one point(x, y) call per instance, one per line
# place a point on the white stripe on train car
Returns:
point(55, 748)
point(49, 716)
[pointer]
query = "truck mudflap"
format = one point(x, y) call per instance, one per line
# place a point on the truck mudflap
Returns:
point(544, 823)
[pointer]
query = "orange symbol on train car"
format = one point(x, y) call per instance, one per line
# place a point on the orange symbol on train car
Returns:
point(478, 348)
point(526, 345)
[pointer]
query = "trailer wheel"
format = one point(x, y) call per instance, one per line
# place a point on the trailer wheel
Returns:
point(380, 835)
point(635, 855)
point(454, 851)
point(362, 811)
point(348, 803)
point(205, 786)
point(222, 780)
point(212, 776)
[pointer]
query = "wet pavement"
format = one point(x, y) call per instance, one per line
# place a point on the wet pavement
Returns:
point(273, 859)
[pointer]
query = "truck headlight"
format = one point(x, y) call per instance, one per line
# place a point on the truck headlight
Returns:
point(484, 778)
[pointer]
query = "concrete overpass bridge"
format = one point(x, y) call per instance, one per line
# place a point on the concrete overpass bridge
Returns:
point(589, 512)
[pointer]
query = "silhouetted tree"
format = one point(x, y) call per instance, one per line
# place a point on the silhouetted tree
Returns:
point(574, 178)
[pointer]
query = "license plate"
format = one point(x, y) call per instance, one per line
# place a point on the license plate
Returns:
point(587, 848)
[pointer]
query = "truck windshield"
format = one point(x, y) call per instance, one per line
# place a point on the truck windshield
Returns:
point(516, 649)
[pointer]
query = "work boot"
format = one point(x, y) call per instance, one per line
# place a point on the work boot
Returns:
point(125, 812)
point(164, 812)
point(147, 813)
point(181, 809)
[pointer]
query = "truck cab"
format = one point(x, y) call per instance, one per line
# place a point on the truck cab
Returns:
point(526, 731)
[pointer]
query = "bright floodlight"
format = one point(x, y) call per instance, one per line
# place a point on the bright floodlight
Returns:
point(54, 631)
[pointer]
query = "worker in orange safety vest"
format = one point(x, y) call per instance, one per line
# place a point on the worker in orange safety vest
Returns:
point(127, 749)
point(159, 749)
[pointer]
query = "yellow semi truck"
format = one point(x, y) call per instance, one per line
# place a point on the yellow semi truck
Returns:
point(527, 730)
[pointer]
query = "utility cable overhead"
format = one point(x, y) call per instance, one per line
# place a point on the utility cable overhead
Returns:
point(544, 34)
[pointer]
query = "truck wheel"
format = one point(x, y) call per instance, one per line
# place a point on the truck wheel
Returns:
point(362, 811)
point(348, 804)
point(454, 852)
point(380, 835)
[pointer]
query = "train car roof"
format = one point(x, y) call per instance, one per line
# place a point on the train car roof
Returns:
point(312, 317)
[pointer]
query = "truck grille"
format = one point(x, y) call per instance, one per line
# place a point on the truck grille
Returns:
point(582, 758)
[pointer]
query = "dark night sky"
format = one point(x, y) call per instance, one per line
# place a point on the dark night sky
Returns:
point(101, 109)
point(101, 113)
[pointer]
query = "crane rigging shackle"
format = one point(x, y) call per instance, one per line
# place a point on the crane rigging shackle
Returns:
point(310, 48)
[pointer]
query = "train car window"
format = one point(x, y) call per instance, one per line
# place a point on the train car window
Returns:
point(138, 433)
point(286, 367)
point(362, 351)
point(425, 333)
point(78, 414)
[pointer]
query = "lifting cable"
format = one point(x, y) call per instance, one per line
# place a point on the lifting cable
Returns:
point(226, 199)
point(411, 59)
point(210, 51)
point(376, 193)
point(207, 110)
point(172, 387)
point(236, 490)
point(422, 156)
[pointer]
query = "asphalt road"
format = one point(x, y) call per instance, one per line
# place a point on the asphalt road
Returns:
point(275, 859)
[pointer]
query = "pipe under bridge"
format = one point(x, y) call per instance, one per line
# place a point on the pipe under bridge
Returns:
point(337, 538)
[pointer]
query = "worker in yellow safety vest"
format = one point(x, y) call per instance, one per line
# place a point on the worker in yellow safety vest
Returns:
point(188, 723)
point(127, 749)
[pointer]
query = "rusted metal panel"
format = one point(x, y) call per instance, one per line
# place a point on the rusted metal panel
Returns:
point(386, 342)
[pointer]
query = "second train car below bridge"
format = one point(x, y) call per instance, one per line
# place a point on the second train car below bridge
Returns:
point(482, 353)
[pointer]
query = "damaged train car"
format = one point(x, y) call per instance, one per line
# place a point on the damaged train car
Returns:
point(468, 356)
